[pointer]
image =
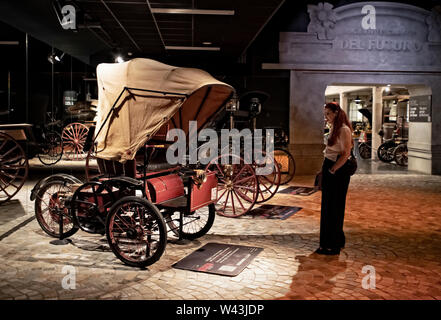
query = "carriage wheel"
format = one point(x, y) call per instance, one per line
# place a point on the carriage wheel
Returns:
point(364, 150)
point(52, 149)
point(74, 136)
point(50, 207)
point(136, 231)
point(286, 163)
point(13, 167)
point(195, 224)
point(89, 206)
point(237, 187)
point(400, 155)
point(91, 168)
point(269, 181)
point(385, 152)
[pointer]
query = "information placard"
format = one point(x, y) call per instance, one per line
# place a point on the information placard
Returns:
point(420, 109)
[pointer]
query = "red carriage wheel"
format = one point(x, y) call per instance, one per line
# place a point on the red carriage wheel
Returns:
point(237, 187)
point(74, 136)
point(269, 180)
point(136, 231)
point(13, 167)
point(50, 207)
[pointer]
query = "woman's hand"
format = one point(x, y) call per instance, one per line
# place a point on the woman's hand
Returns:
point(346, 138)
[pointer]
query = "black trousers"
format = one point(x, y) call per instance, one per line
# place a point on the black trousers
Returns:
point(334, 190)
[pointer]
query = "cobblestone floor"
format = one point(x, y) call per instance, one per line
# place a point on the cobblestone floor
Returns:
point(393, 223)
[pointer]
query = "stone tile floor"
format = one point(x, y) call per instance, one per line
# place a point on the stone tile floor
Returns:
point(393, 224)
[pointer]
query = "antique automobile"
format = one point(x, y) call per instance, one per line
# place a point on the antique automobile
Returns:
point(135, 194)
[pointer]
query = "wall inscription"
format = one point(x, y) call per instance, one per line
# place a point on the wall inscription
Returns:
point(381, 45)
point(399, 35)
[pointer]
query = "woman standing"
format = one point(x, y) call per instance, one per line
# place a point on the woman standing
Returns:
point(334, 182)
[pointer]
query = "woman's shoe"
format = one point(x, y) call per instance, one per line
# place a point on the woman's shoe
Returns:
point(328, 251)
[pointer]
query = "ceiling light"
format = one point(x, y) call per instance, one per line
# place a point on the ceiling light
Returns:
point(54, 58)
point(192, 48)
point(58, 58)
point(387, 88)
point(357, 100)
point(193, 11)
point(207, 43)
point(119, 59)
point(9, 43)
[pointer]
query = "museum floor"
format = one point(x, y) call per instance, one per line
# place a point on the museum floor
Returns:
point(393, 223)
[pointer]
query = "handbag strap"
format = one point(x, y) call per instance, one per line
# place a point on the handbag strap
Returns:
point(352, 153)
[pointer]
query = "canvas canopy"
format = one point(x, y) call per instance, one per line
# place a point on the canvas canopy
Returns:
point(169, 94)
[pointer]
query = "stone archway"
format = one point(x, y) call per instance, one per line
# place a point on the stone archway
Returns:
point(403, 49)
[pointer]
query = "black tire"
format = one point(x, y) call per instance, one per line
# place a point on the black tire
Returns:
point(385, 152)
point(365, 151)
point(52, 149)
point(191, 229)
point(48, 202)
point(287, 166)
point(400, 155)
point(88, 212)
point(147, 216)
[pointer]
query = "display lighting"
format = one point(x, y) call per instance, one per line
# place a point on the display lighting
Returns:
point(192, 48)
point(193, 11)
point(54, 58)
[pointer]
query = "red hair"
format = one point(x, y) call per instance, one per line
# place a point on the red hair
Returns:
point(340, 119)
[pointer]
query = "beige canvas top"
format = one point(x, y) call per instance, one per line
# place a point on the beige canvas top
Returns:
point(193, 94)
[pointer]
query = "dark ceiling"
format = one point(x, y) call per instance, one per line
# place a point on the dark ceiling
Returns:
point(109, 27)
point(131, 25)
point(124, 26)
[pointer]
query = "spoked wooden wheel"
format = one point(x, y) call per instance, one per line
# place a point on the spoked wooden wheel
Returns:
point(51, 149)
point(136, 231)
point(194, 224)
point(400, 155)
point(13, 167)
point(74, 136)
point(237, 187)
point(385, 151)
point(286, 163)
point(50, 208)
point(89, 206)
point(364, 150)
point(268, 174)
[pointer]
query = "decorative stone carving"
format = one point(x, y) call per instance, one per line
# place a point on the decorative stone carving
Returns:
point(323, 20)
point(434, 23)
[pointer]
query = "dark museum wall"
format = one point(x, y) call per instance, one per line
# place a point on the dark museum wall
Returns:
point(68, 74)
